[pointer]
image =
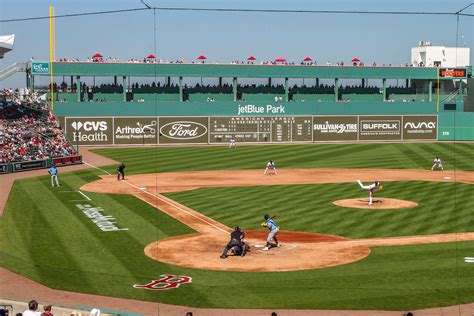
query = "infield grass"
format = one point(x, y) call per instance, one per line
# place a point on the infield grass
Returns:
point(442, 208)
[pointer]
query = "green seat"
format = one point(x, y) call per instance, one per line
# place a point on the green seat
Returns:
point(108, 96)
point(202, 97)
point(314, 97)
point(411, 97)
point(363, 97)
point(151, 97)
point(261, 97)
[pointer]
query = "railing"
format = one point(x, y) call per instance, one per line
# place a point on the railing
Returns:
point(451, 97)
point(11, 70)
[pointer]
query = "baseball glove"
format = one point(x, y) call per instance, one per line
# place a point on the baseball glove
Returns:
point(380, 187)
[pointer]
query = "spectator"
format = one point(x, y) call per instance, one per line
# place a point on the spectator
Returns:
point(32, 308)
point(95, 312)
point(47, 311)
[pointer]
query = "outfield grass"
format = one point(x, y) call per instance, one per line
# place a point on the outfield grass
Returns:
point(381, 155)
point(442, 208)
point(46, 238)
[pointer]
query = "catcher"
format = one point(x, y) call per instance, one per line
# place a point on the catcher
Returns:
point(274, 229)
point(374, 186)
point(236, 244)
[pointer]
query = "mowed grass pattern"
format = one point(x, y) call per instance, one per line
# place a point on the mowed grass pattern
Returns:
point(442, 208)
point(46, 238)
point(370, 155)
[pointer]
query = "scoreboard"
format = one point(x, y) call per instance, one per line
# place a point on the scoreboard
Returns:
point(260, 129)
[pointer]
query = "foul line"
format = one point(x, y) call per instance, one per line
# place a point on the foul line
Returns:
point(157, 197)
point(88, 198)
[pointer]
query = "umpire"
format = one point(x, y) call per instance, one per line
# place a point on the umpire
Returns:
point(236, 240)
point(121, 171)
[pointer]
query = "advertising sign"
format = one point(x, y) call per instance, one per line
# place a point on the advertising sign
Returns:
point(334, 128)
point(420, 127)
point(40, 68)
point(452, 72)
point(64, 161)
point(135, 130)
point(176, 130)
point(90, 130)
point(28, 165)
point(380, 127)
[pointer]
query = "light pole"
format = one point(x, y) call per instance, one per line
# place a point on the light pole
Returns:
point(457, 28)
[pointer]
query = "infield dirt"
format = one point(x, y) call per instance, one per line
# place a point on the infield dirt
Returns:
point(299, 250)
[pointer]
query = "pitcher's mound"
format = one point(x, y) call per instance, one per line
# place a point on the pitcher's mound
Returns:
point(378, 203)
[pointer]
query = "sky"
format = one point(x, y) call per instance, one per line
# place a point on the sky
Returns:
point(224, 36)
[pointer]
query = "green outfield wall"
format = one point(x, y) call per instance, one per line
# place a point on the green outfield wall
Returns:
point(152, 130)
point(456, 126)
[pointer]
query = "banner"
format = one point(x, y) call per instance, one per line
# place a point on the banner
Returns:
point(335, 128)
point(176, 130)
point(135, 130)
point(107, 131)
point(40, 68)
point(90, 130)
point(420, 127)
point(64, 161)
point(29, 165)
point(453, 72)
point(380, 127)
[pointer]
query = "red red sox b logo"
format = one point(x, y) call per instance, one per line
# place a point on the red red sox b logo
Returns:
point(165, 282)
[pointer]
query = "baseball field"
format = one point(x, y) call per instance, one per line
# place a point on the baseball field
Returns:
point(173, 213)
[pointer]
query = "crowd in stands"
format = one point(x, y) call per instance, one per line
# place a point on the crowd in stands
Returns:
point(102, 92)
point(28, 133)
point(234, 62)
point(34, 310)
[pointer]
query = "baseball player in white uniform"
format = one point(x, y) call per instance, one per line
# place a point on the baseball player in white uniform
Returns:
point(374, 186)
point(232, 143)
point(437, 164)
point(270, 166)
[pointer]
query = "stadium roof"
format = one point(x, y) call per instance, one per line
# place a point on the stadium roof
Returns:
point(6, 44)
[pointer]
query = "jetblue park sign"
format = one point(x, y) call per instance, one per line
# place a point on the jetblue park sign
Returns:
point(40, 68)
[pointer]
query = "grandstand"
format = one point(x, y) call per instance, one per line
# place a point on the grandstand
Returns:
point(364, 86)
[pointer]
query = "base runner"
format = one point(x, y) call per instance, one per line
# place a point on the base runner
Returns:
point(374, 186)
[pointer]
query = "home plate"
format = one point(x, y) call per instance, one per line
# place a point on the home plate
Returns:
point(258, 246)
point(447, 178)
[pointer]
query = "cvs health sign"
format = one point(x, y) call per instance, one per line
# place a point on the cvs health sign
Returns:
point(90, 130)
